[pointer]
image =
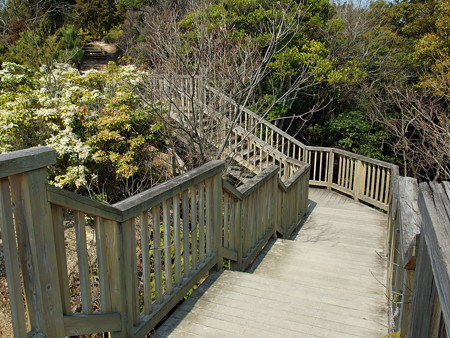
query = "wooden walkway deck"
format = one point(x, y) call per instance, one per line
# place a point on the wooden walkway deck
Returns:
point(326, 281)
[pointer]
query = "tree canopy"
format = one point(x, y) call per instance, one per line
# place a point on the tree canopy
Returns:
point(372, 78)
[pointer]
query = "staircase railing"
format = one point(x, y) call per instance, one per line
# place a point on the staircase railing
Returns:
point(258, 210)
point(86, 267)
point(361, 177)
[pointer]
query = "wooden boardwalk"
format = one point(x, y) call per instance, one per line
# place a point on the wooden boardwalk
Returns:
point(326, 281)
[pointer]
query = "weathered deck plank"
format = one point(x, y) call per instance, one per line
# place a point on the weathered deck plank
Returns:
point(324, 282)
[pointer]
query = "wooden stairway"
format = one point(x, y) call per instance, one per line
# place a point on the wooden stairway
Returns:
point(325, 282)
point(97, 55)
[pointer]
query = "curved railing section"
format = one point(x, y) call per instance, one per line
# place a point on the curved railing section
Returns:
point(363, 178)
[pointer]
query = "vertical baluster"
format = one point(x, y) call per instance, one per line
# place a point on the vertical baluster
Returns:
point(347, 172)
point(367, 181)
point(100, 240)
point(167, 247)
point(129, 269)
point(201, 220)
point(157, 253)
point(315, 165)
point(232, 224)
point(351, 180)
point(177, 239)
point(194, 226)
point(320, 166)
point(377, 184)
point(83, 265)
point(340, 171)
point(372, 183)
point(61, 257)
point(225, 221)
point(209, 217)
point(260, 158)
point(382, 184)
point(388, 187)
point(146, 263)
point(186, 233)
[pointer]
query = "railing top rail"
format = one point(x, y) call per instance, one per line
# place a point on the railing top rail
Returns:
point(264, 146)
point(261, 119)
point(230, 189)
point(434, 206)
point(174, 76)
point(71, 200)
point(134, 205)
point(20, 161)
point(254, 183)
point(292, 179)
point(364, 158)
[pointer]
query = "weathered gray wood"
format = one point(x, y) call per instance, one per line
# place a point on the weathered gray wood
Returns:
point(177, 238)
point(21, 161)
point(256, 182)
point(145, 243)
point(194, 226)
point(157, 254)
point(100, 239)
point(129, 276)
point(436, 230)
point(424, 295)
point(186, 234)
point(167, 247)
point(11, 260)
point(35, 231)
point(409, 220)
point(61, 257)
point(74, 201)
point(113, 274)
point(441, 200)
point(227, 187)
point(447, 188)
point(81, 324)
point(160, 310)
point(83, 264)
point(136, 204)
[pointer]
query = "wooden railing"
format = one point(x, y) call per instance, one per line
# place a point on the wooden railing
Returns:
point(88, 267)
point(419, 259)
point(258, 210)
point(360, 177)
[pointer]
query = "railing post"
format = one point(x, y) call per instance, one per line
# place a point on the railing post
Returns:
point(330, 170)
point(27, 174)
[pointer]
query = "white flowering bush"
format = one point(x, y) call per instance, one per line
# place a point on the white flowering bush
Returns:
point(103, 133)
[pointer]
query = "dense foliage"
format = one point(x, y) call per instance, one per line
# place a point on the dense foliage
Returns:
point(372, 78)
point(102, 132)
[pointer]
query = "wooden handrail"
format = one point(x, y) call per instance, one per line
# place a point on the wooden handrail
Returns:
point(361, 177)
point(136, 204)
point(21, 161)
point(73, 201)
